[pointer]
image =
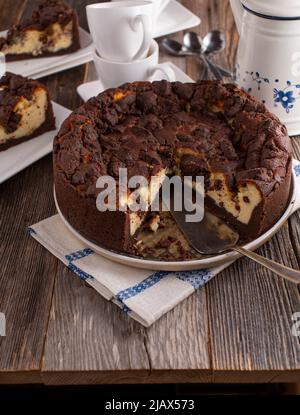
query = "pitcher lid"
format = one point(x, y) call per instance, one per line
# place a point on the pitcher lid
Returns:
point(276, 8)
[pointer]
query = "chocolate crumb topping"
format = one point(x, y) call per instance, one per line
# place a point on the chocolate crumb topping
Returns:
point(131, 127)
point(12, 88)
point(42, 19)
point(48, 11)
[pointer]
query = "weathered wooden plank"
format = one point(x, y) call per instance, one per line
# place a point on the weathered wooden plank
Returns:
point(143, 355)
point(91, 341)
point(25, 295)
point(20, 377)
point(86, 333)
point(180, 340)
point(27, 270)
point(245, 344)
point(251, 317)
point(11, 12)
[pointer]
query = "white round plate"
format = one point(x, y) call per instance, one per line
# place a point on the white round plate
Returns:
point(190, 264)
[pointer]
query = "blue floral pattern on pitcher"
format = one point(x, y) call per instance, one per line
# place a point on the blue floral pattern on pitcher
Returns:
point(285, 96)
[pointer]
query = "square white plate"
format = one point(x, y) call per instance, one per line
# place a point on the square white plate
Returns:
point(174, 18)
point(36, 68)
point(18, 157)
point(91, 89)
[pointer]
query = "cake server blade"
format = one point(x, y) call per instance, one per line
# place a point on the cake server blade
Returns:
point(213, 236)
point(209, 236)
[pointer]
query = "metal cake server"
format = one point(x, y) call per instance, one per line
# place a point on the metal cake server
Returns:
point(213, 236)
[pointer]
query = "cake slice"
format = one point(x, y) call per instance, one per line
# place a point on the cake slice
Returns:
point(52, 30)
point(25, 110)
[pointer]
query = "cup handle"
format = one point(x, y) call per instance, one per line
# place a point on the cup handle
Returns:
point(2, 65)
point(147, 35)
point(165, 69)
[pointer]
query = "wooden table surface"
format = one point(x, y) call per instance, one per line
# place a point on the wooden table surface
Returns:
point(60, 331)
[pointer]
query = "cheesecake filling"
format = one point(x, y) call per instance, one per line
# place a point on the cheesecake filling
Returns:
point(136, 220)
point(61, 37)
point(240, 204)
point(35, 42)
point(33, 115)
point(147, 195)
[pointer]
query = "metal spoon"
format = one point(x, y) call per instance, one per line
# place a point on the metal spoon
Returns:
point(175, 48)
point(212, 43)
point(194, 43)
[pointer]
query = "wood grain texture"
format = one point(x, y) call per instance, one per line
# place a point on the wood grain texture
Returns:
point(250, 309)
point(90, 340)
point(12, 14)
point(162, 354)
point(60, 331)
point(28, 271)
point(26, 293)
point(251, 318)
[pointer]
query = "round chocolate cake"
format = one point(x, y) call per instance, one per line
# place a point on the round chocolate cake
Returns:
point(205, 129)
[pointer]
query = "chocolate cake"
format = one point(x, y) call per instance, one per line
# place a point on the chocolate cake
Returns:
point(25, 110)
point(52, 30)
point(205, 129)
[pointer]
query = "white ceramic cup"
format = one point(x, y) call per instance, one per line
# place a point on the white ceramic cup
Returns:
point(113, 74)
point(158, 6)
point(121, 30)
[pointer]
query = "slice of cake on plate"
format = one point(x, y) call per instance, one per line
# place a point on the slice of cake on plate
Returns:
point(51, 30)
point(25, 110)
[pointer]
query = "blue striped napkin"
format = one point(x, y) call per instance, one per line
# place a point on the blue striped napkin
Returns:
point(143, 295)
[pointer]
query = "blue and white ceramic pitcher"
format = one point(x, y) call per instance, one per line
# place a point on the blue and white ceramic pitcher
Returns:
point(268, 59)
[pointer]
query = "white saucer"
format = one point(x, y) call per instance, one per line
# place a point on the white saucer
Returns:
point(37, 68)
point(91, 89)
point(18, 157)
point(174, 18)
